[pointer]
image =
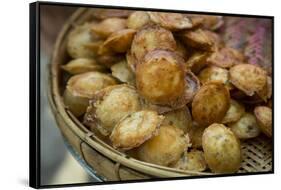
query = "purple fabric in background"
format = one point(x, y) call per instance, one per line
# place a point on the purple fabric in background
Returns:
point(252, 36)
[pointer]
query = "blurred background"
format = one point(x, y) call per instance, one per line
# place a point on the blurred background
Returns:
point(58, 166)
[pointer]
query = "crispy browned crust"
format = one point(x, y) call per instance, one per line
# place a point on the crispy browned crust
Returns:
point(192, 161)
point(198, 39)
point(110, 105)
point(210, 104)
point(197, 61)
point(122, 72)
point(138, 19)
point(135, 129)
point(166, 147)
point(213, 74)
point(171, 21)
point(226, 57)
point(234, 113)
point(264, 118)
point(195, 133)
point(221, 149)
point(152, 37)
point(118, 42)
point(106, 27)
point(246, 127)
point(160, 77)
point(248, 78)
point(109, 59)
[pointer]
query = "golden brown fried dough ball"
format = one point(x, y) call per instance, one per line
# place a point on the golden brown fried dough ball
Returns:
point(152, 37)
point(82, 65)
point(234, 113)
point(80, 42)
point(248, 78)
point(221, 149)
point(226, 57)
point(166, 147)
point(110, 105)
point(264, 118)
point(246, 127)
point(180, 118)
point(138, 19)
point(80, 88)
point(135, 129)
point(197, 61)
point(171, 21)
point(192, 161)
point(210, 103)
point(118, 42)
point(160, 77)
point(106, 27)
point(213, 74)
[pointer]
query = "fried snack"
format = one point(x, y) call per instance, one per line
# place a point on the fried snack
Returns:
point(171, 21)
point(110, 105)
point(149, 38)
point(138, 19)
point(135, 129)
point(109, 59)
point(102, 14)
point(122, 72)
point(166, 147)
point(198, 39)
point(264, 119)
point(182, 51)
point(209, 22)
point(234, 113)
point(226, 57)
point(248, 77)
point(246, 127)
point(82, 65)
point(80, 41)
point(106, 27)
point(197, 61)
point(180, 118)
point(195, 133)
point(131, 61)
point(192, 161)
point(118, 42)
point(266, 92)
point(192, 86)
point(160, 77)
point(210, 103)
point(80, 88)
point(221, 149)
point(213, 74)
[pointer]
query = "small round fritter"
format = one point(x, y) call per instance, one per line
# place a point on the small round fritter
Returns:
point(192, 161)
point(160, 77)
point(110, 105)
point(246, 127)
point(82, 65)
point(213, 74)
point(234, 113)
point(122, 72)
point(248, 77)
point(106, 27)
point(166, 147)
point(109, 59)
point(222, 149)
point(266, 92)
point(152, 37)
point(80, 88)
point(226, 57)
point(80, 41)
point(135, 129)
point(198, 39)
point(197, 61)
point(210, 103)
point(118, 42)
point(264, 119)
point(171, 21)
point(138, 19)
point(180, 118)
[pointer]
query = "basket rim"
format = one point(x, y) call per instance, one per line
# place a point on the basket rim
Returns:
point(86, 135)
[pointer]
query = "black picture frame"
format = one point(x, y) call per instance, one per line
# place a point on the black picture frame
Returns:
point(34, 93)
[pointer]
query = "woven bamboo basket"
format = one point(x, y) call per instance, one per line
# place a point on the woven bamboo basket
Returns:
point(109, 163)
